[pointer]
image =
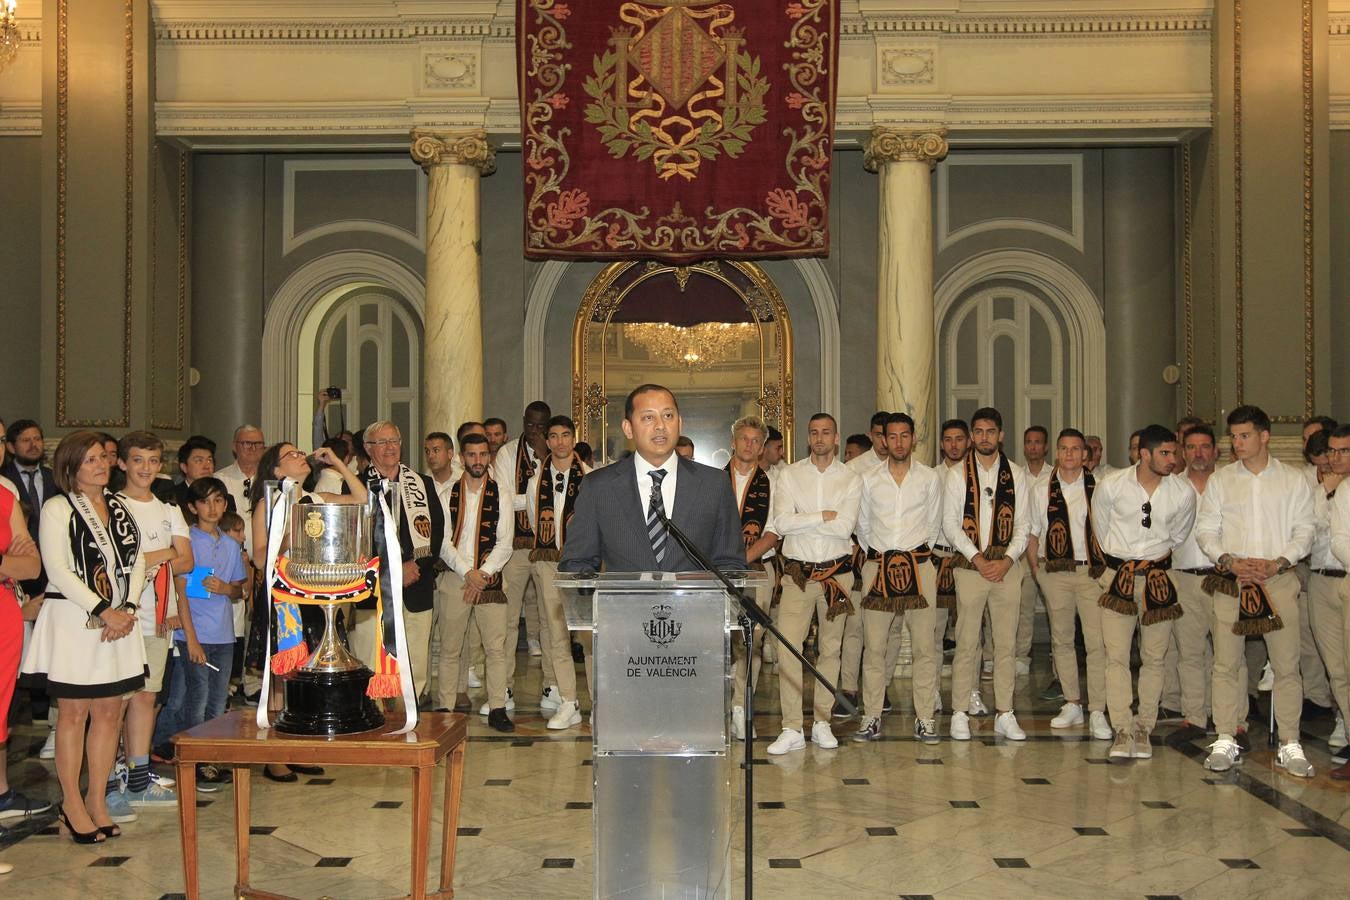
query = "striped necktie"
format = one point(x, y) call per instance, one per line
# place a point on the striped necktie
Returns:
point(656, 508)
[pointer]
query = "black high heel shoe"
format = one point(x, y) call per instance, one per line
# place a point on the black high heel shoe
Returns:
point(288, 778)
point(96, 836)
point(110, 831)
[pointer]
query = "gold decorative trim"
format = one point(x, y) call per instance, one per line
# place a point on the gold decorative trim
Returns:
point(1309, 370)
point(1237, 198)
point(453, 148)
point(887, 145)
point(62, 148)
point(604, 296)
point(1187, 297)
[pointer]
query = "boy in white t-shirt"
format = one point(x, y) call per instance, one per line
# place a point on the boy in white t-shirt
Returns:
point(167, 551)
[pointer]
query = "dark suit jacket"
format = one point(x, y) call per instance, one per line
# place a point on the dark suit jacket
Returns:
point(10, 470)
point(609, 527)
point(420, 595)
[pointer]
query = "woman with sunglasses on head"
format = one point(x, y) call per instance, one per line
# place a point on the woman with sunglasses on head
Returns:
point(279, 462)
point(79, 652)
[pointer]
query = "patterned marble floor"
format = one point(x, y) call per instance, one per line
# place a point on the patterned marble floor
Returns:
point(989, 819)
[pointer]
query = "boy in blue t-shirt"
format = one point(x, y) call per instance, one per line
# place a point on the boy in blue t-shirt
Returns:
point(204, 647)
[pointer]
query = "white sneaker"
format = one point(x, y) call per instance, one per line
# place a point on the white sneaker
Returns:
point(568, 714)
point(791, 739)
point(1292, 760)
point(48, 750)
point(535, 649)
point(550, 699)
point(1224, 754)
point(1338, 739)
point(1267, 682)
point(1022, 666)
point(738, 722)
point(977, 707)
point(474, 680)
point(823, 737)
point(510, 703)
point(1006, 725)
point(960, 726)
point(1099, 726)
point(1070, 714)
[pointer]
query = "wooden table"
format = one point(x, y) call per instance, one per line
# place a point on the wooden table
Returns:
point(234, 740)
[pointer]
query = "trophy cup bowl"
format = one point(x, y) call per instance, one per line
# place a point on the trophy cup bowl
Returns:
point(329, 548)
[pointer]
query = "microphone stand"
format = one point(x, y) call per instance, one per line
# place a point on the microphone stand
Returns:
point(752, 614)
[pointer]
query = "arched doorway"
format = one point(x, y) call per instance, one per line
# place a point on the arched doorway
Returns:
point(717, 333)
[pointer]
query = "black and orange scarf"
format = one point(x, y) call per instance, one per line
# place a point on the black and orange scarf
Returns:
point(1255, 614)
point(1160, 594)
point(524, 538)
point(754, 505)
point(897, 586)
point(1005, 507)
point(836, 598)
point(946, 582)
point(1060, 555)
point(488, 512)
point(550, 530)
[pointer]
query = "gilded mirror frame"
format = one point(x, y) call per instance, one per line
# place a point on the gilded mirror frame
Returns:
point(617, 281)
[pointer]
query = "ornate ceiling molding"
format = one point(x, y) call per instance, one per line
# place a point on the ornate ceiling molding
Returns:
point(330, 32)
point(1030, 23)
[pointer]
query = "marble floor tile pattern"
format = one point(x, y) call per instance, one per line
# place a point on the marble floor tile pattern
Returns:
point(1049, 817)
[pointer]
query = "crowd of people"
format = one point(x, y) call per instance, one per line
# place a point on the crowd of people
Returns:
point(132, 604)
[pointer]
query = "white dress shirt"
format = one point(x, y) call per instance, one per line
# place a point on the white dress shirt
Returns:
point(1188, 554)
point(1075, 498)
point(462, 555)
point(954, 506)
point(504, 473)
point(559, 496)
point(1340, 525)
point(801, 493)
point(865, 463)
point(900, 516)
point(1265, 516)
point(1118, 515)
point(1322, 557)
point(644, 482)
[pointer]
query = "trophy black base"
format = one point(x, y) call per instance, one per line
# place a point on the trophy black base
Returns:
point(328, 704)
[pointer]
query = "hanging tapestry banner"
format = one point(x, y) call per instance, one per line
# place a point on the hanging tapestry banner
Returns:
point(677, 129)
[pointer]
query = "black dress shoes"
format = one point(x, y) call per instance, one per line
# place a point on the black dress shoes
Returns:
point(288, 778)
point(498, 721)
point(305, 770)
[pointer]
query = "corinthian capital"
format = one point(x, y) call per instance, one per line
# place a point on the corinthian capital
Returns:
point(888, 145)
point(453, 148)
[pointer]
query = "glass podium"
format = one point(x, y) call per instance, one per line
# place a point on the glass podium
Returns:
point(660, 729)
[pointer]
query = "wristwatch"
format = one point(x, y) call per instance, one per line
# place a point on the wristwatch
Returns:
point(1282, 565)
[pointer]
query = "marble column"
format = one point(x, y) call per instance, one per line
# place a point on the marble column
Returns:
point(452, 379)
point(906, 378)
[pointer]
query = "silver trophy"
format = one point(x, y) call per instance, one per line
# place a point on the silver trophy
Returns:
point(329, 547)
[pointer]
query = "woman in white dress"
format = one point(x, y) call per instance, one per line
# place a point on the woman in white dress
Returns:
point(79, 652)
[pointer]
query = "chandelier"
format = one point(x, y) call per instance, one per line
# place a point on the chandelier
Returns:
point(695, 347)
point(10, 38)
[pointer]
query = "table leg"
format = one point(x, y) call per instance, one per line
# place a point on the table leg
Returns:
point(454, 787)
point(423, 776)
point(187, 824)
point(242, 796)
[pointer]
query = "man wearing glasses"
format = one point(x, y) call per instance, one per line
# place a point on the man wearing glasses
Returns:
point(1140, 516)
point(238, 476)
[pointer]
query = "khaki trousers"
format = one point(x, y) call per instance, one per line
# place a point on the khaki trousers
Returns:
point(1283, 647)
point(1327, 601)
point(1117, 636)
point(515, 579)
point(1003, 600)
point(762, 598)
point(1026, 619)
point(416, 627)
point(851, 647)
point(1070, 595)
point(1195, 658)
point(555, 639)
point(879, 635)
point(795, 609)
point(454, 624)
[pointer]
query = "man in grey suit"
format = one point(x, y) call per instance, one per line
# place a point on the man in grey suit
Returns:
point(614, 524)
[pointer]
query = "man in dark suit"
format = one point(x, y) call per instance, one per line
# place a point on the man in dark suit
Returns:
point(35, 482)
point(614, 524)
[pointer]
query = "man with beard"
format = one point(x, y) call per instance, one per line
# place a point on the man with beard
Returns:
point(33, 478)
point(495, 429)
point(1141, 516)
point(478, 548)
point(985, 516)
point(899, 520)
